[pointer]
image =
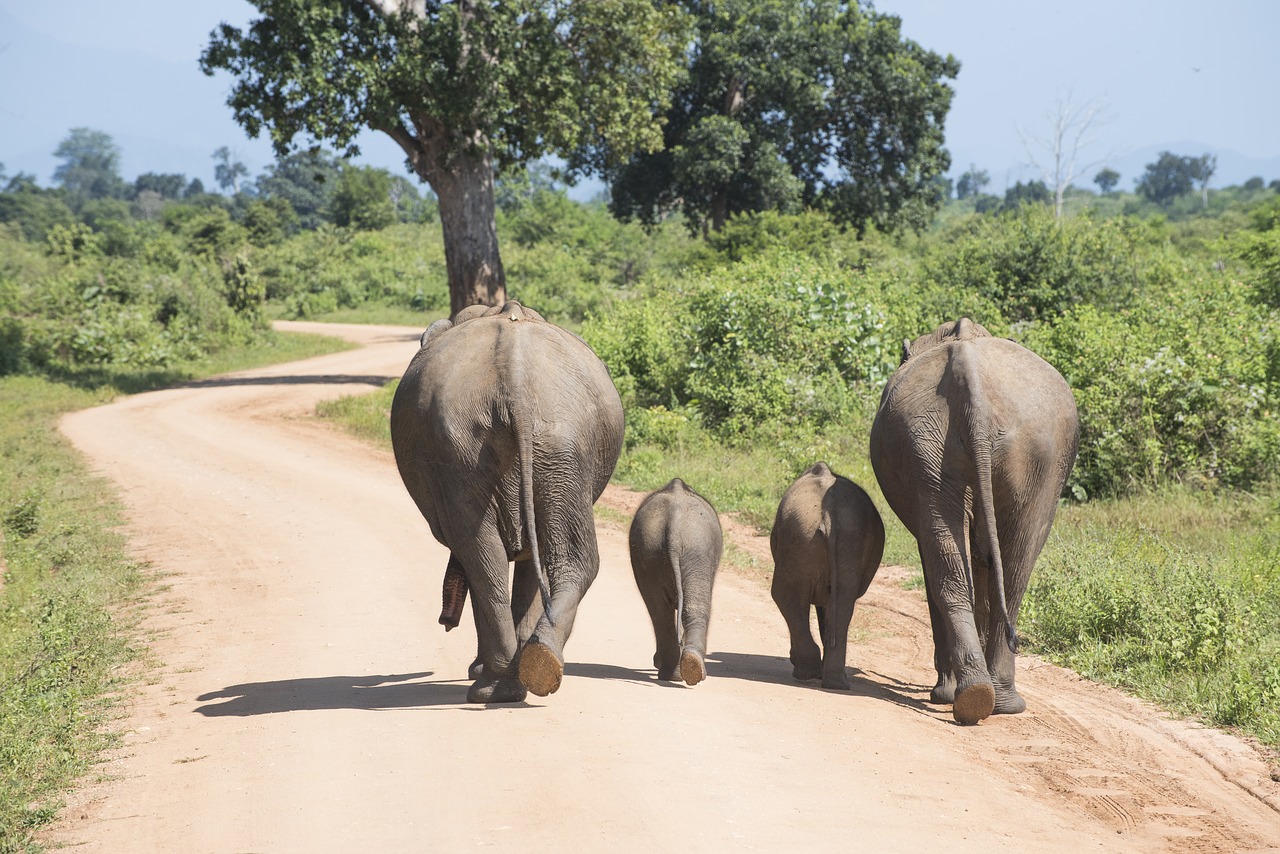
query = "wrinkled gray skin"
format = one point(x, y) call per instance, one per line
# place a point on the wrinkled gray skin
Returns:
point(676, 544)
point(972, 444)
point(504, 426)
point(827, 542)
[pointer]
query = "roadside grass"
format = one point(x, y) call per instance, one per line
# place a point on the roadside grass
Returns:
point(1173, 595)
point(70, 594)
point(368, 313)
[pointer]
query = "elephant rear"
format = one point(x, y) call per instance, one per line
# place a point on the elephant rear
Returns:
point(972, 444)
point(827, 542)
point(505, 430)
point(676, 543)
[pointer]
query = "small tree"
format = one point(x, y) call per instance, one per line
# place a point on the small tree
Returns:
point(1166, 179)
point(972, 183)
point(228, 171)
point(1201, 169)
point(1106, 179)
point(90, 166)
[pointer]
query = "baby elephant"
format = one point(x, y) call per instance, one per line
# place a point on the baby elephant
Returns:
point(675, 550)
point(827, 542)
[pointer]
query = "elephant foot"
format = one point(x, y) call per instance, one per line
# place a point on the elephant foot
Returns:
point(540, 668)
point(503, 690)
point(1009, 702)
point(836, 681)
point(692, 668)
point(476, 669)
point(806, 670)
point(943, 693)
point(974, 703)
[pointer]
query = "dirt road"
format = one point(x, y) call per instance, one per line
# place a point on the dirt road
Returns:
point(305, 699)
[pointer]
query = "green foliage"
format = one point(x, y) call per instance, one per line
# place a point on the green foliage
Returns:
point(1176, 387)
point(330, 268)
point(1172, 176)
point(1030, 266)
point(776, 93)
point(362, 199)
point(778, 339)
point(1030, 193)
point(32, 210)
point(306, 180)
point(73, 307)
point(90, 166)
point(1106, 179)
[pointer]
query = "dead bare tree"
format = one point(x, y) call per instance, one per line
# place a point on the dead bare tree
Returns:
point(1056, 153)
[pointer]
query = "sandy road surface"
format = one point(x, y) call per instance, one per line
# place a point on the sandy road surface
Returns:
point(306, 700)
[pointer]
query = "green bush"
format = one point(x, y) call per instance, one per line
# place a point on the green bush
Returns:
point(1176, 388)
point(1030, 266)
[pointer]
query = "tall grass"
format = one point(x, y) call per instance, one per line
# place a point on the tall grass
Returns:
point(1174, 596)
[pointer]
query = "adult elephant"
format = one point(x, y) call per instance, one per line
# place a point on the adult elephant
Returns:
point(506, 429)
point(972, 444)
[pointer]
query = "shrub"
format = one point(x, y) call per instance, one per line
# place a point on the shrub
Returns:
point(1031, 266)
point(1176, 388)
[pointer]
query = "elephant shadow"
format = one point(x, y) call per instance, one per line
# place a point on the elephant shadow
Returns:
point(776, 669)
point(368, 693)
point(589, 670)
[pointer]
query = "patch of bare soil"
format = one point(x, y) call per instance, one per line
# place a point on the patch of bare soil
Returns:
point(306, 699)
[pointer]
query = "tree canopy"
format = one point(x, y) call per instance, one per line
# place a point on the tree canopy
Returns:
point(1106, 179)
point(90, 167)
point(463, 88)
point(784, 104)
point(1166, 179)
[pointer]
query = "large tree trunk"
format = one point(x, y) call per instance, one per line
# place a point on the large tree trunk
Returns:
point(465, 191)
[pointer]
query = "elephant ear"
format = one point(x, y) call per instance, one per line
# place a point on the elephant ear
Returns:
point(434, 331)
point(906, 350)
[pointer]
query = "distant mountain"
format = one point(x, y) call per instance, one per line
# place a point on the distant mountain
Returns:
point(1233, 167)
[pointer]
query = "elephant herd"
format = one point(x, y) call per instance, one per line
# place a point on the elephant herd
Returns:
point(506, 429)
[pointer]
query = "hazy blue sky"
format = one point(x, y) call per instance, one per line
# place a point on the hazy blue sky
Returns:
point(1177, 74)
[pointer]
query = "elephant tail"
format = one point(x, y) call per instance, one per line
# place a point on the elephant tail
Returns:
point(981, 447)
point(675, 569)
point(522, 426)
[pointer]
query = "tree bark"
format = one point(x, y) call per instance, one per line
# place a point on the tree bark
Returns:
point(465, 192)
